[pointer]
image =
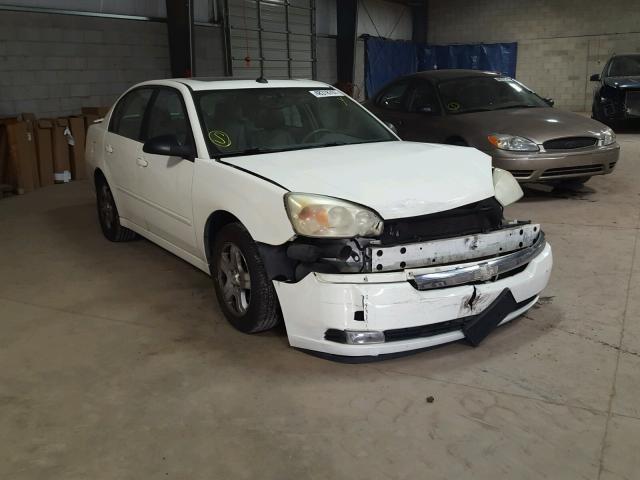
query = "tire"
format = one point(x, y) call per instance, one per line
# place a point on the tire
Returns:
point(108, 215)
point(245, 294)
point(458, 142)
point(595, 113)
point(598, 115)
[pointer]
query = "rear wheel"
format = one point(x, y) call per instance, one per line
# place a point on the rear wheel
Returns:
point(108, 215)
point(245, 293)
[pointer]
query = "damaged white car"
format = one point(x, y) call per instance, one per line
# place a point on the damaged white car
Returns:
point(303, 207)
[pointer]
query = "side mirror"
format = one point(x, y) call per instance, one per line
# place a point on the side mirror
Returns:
point(550, 101)
point(595, 77)
point(391, 127)
point(168, 146)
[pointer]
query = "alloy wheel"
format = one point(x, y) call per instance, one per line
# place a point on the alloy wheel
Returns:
point(234, 279)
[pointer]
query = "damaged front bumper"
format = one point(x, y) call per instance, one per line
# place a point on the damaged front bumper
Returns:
point(387, 312)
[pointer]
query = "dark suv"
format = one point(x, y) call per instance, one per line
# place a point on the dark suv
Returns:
point(617, 97)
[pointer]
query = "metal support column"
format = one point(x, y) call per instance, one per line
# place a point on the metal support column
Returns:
point(181, 41)
point(260, 49)
point(226, 39)
point(314, 42)
point(419, 12)
point(347, 22)
point(286, 26)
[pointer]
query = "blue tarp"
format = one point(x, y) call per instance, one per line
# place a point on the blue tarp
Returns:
point(386, 60)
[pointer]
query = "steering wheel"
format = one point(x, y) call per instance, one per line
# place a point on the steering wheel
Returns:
point(315, 132)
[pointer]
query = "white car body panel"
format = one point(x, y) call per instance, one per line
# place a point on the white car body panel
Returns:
point(170, 200)
point(318, 303)
point(396, 179)
point(258, 204)
point(165, 186)
point(120, 154)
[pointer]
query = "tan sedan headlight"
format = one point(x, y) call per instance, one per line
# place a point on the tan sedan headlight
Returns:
point(507, 188)
point(512, 143)
point(607, 137)
point(328, 217)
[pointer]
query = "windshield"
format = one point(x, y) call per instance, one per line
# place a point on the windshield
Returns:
point(260, 120)
point(481, 94)
point(625, 66)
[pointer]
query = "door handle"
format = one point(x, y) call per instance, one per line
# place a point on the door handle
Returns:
point(108, 148)
point(141, 162)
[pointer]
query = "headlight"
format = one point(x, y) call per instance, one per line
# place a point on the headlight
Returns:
point(319, 216)
point(506, 187)
point(512, 143)
point(607, 137)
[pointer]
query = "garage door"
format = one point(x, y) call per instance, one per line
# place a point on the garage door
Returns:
point(272, 37)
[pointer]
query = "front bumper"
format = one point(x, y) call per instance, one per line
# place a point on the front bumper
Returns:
point(389, 302)
point(557, 165)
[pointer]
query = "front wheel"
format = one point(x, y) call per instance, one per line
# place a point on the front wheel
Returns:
point(245, 293)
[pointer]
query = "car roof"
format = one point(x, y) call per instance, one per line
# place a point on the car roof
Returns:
point(225, 83)
point(448, 74)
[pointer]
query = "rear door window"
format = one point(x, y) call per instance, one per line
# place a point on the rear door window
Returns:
point(128, 114)
point(168, 116)
point(423, 98)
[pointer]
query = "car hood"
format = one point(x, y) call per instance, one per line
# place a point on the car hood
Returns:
point(623, 82)
point(397, 179)
point(537, 124)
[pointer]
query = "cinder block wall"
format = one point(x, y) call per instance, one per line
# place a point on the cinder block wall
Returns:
point(560, 42)
point(52, 64)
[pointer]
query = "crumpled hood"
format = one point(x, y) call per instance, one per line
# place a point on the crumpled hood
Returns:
point(537, 124)
point(623, 82)
point(396, 179)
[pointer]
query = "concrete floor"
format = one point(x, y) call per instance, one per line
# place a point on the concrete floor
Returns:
point(117, 364)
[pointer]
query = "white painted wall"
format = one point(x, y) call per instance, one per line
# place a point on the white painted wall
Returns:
point(379, 18)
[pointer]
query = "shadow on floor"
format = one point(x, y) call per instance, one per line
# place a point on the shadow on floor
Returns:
point(545, 192)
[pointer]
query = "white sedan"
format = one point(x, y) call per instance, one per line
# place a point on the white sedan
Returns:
point(303, 207)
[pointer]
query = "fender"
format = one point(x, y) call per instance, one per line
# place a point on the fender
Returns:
point(257, 202)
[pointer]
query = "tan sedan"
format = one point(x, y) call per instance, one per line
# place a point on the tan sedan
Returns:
point(503, 118)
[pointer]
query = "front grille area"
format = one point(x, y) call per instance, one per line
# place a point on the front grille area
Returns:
point(399, 334)
point(569, 143)
point(582, 169)
point(479, 217)
point(632, 103)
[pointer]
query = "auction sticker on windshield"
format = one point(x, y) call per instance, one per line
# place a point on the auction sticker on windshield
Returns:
point(220, 138)
point(326, 93)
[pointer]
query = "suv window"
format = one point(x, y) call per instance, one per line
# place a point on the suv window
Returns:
point(129, 113)
point(423, 99)
point(167, 116)
point(391, 98)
